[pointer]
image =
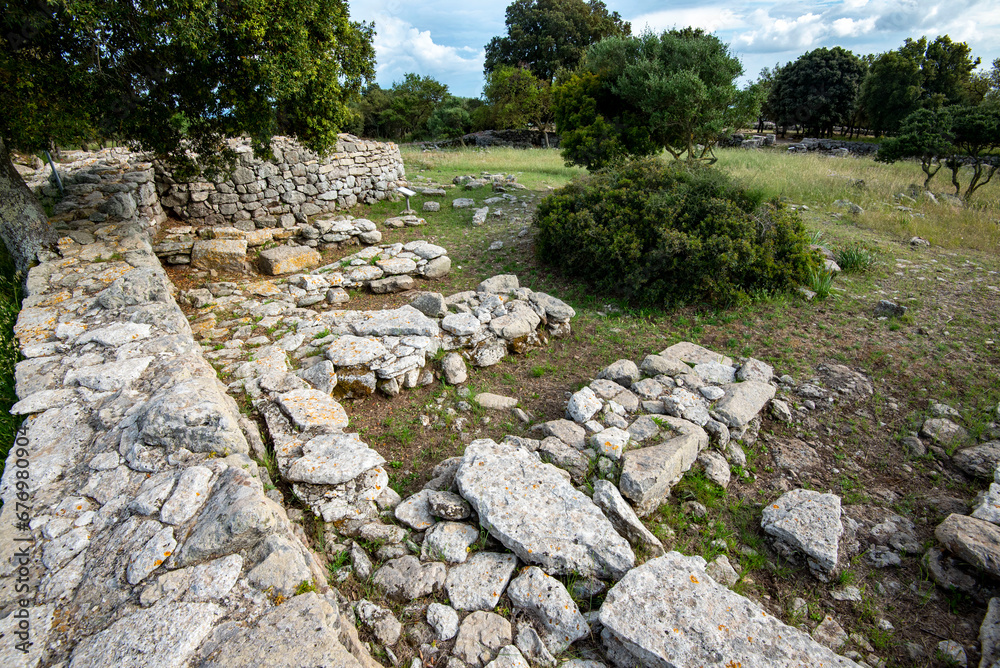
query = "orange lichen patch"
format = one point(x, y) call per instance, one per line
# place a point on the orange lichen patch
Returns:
point(56, 298)
point(264, 289)
point(694, 579)
point(114, 272)
point(35, 325)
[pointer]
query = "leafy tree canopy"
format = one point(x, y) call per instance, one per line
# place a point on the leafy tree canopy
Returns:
point(405, 110)
point(164, 72)
point(548, 35)
point(818, 91)
point(518, 99)
point(635, 96)
point(891, 91)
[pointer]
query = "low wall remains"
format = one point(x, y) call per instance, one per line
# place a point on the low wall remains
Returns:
point(297, 183)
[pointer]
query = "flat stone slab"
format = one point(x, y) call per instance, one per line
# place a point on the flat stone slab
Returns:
point(508, 485)
point(288, 259)
point(807, 521)
point(695, 354)
point(354, 350)
point(403, 321)
point(974, 541)
point(649, 473)
point(313, 408)
point(461, 324)
point(495, 401)
point(333, 459)
point(743, 401)
point(480, 581)
point(669, 612)
point(546, 599)
point(220, 254)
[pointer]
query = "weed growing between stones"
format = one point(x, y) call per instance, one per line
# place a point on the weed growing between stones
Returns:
point(858, 257)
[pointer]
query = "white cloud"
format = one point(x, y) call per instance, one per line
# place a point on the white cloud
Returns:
point(782, 34)
point(852, 27)
point(710, 19)
point(401, 48)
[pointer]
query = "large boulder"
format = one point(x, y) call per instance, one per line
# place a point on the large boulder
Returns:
point(507, 486)
point(288, 259)
point(809, 522)
point(649, 473)
point(669, 612)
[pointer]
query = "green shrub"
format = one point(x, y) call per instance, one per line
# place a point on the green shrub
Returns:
point(669, 234)
point(10, 351)
point(857, 258)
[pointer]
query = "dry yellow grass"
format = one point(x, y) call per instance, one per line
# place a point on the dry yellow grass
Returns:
point(818, 181)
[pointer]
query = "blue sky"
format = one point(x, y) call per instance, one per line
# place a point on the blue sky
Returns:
point(445, 38)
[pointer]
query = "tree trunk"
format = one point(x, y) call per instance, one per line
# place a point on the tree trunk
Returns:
point(24, 227)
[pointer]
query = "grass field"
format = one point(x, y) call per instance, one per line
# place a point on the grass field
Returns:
point(944, 349)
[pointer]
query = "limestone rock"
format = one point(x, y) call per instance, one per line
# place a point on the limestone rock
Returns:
point(743, 401)
point(311, 408)
point(495, 401)
point(333, 459)
point(694, 354)
point(431, 304)
point(623, 372)
point(974, 541)
point(716, 467)
point(610, 442)
point(453, 367)
point(303, 631)
point(405, 578)
point(648, 473)
point(547, 600)
point(449, 542)
point(754, 369)
point(381, 621)
point(195, 415)
point(979, 461)
point(415, 511)
point(162, 636)
point(944, 432)
point(830, 634)
point(288, 260)
point(722, 571)
point(480, 581)
point(508, 657)
point(566, 431)
point(443, 619)
point(350, 350)
point(583, 405)
point(669, 612)
point(807, 521)
point(989, 635)
point(481, 637)
point(228, 255)
point(624, 519)
point(507, 485)
point(403, 321)
point(448, 506)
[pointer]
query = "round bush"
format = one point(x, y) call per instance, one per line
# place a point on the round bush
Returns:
point(670, 233)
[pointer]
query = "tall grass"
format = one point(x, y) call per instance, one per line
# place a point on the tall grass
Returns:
point(534, 168)
point(818, 181)
point(10, 352)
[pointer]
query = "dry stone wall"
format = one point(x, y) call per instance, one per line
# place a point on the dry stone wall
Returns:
point(297, 183)
point(135, 528)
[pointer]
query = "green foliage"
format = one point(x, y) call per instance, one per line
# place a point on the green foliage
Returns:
point(660, 233)
point(450, 119)
point(891, 91)
point(403, 110)
point(923, 135)
point(957, 137)
point(10, 353)
point(634, 96)
point(518, 99)
point(858, 257)
point(546, 36)
point(818, 91)
point(176, 76)
point(820, 281)
point(305, 587)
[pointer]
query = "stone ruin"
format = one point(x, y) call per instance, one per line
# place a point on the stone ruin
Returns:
point(156, 538)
